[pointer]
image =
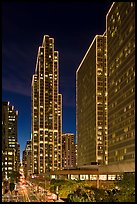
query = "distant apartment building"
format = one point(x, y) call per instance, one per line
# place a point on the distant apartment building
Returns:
point(120, 31)
point(10, 153)
point(91, 105)
point(68, 151)
point(46, 110)
point(27, 159)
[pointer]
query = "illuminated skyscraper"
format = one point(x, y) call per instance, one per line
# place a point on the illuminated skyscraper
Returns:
point(18, 157)
point(46, 110)
point(27, 159)
point(68, 151)
point(121, 82)
point(91, 105)
point(10, 147)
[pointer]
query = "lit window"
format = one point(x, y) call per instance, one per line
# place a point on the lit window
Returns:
point(113, 135)
point(10, 153)
point(131, 28)
point(125, 129)
point(99, 133)
point(129, 106)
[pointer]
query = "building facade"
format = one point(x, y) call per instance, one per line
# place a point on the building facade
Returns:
point(46, 110)
point(91, 105)
point(120, 26)
point(10, 153)
point(18, 157)
point(27, 159)
point(76, 153)
point(68, 151)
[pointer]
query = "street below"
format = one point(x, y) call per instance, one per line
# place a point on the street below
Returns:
point(27, 192)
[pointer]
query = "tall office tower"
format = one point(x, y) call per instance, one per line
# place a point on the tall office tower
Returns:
point(27, 159)
point(68, 151)
point(18, 157)
point(46, 110)
point(9, 140)
point(121, 82)
point(91, 105)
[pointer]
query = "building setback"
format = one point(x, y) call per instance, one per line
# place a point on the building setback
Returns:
point(46, 110)
point(10, 148)
point(120, 25)
point(91, 105)
point(68, 151)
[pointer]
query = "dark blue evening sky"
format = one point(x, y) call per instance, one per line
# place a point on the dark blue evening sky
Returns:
point(72, 25)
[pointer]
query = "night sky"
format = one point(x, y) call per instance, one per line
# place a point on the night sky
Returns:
point(73, 27)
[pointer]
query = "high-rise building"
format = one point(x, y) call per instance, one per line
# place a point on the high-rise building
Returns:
point(46, 110)
point(76, 153)
point(91, 105)
point(68, 151)
point(18, 157)
point(27, 159)
point(120, 31)
point(9, 140)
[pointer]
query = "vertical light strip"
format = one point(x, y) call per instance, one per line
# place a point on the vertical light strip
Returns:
point(96, 101)
point(38, 146)
point(58, 107)
point(77, 108)
point(76, 111)
point(107, 87)
point(61, 130)
point(32, 123)
point(44, 49)
point(110, 9)
point(53, 108)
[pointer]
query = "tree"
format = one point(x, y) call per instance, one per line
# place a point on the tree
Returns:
point(81, 195)
point(126, 188)
point(12, 186)
point(14, 175)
